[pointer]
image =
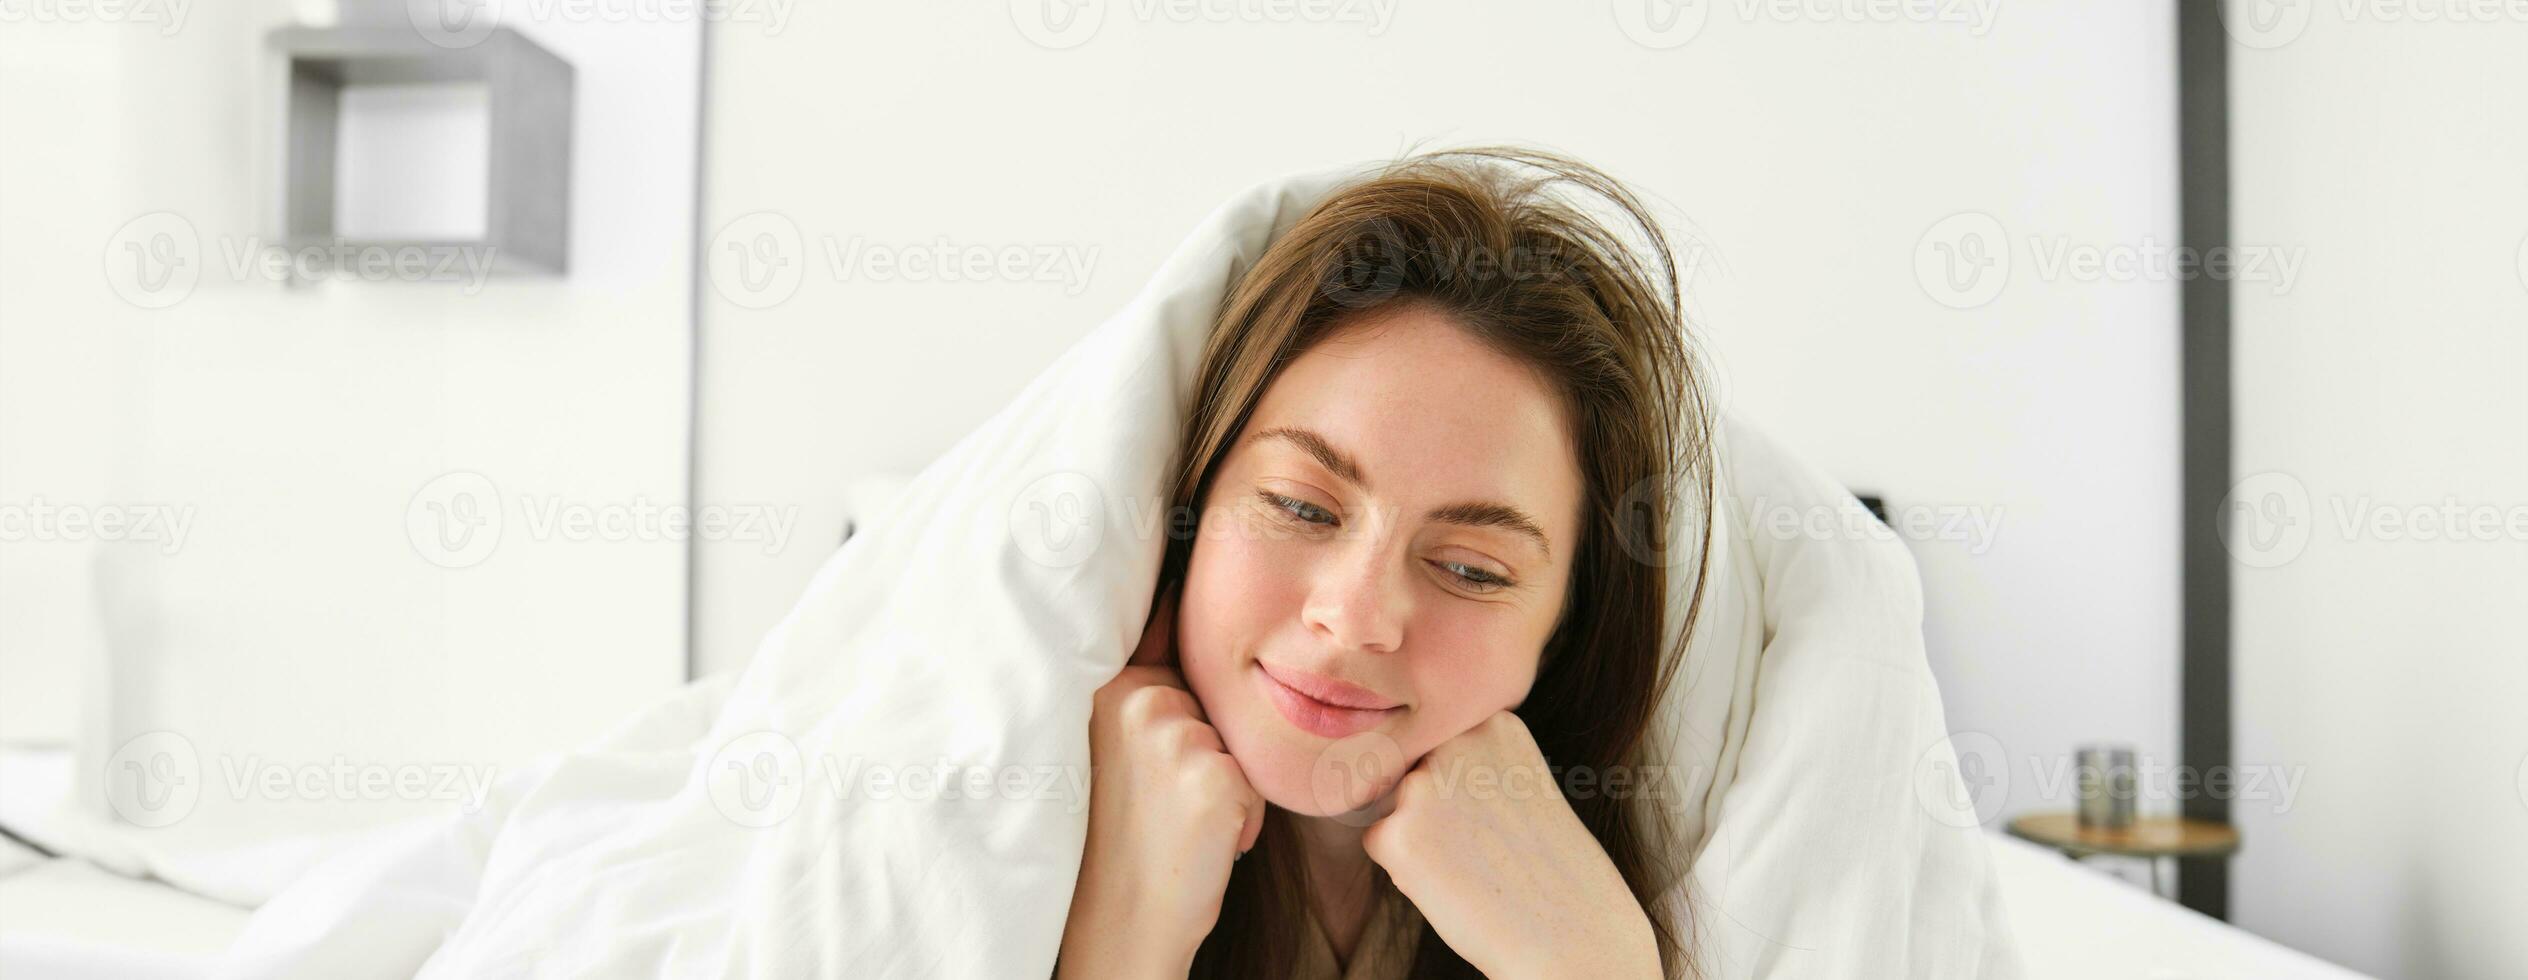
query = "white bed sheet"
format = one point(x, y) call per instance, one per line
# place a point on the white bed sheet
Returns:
point(66, 919)
point(2078, 923)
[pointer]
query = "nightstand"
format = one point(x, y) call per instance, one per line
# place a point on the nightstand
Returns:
point(2150, 838)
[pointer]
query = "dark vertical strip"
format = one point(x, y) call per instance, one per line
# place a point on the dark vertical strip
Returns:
point(697, 282)
point(2203, 152)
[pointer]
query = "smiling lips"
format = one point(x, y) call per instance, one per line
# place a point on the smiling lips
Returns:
point(1323, 706)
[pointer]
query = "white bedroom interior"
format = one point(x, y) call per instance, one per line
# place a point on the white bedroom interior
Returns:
point(2026, 427)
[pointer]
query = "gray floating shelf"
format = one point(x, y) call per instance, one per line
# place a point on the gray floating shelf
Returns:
point(529, 89)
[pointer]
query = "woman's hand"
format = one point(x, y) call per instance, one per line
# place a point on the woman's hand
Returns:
point(1169, 810)
point(1483, 843)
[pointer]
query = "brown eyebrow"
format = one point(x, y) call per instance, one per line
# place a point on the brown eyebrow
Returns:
point(1480, 513)
point(1327, 456)
point(1489, 514)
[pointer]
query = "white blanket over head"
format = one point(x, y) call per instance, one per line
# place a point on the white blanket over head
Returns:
point(896, 785)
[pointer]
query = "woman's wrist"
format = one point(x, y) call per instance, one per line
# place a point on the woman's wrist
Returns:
point(1113, 934)
point(1632, 950)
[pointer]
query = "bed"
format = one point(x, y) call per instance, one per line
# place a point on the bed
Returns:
point(66, 917)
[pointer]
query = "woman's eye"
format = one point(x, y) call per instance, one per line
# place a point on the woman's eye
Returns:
point(1298, 508)
point(1472, 577)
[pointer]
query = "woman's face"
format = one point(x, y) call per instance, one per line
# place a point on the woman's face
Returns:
point(1381, 558)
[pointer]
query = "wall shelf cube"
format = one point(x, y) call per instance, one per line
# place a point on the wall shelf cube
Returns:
point(525, 101)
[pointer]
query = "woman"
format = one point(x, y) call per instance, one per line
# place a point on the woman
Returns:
point(1391, 711)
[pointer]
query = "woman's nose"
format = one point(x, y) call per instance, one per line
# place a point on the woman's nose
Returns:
point(1360, 600)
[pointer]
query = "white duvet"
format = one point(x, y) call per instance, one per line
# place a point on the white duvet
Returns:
point(895, 786)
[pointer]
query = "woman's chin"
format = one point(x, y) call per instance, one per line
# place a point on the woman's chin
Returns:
point(1316, 778)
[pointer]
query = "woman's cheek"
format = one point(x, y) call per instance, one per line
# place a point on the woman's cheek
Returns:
point(1476, 676)
point(1234, 590)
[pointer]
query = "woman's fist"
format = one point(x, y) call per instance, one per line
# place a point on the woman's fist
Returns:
point(1483, 843)
point(1169, 811)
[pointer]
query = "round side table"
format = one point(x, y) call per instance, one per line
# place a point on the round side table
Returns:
point(2150, 838)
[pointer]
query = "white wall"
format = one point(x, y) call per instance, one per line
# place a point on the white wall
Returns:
point(2389, 662)
point(1811, 157)
point(301, 619)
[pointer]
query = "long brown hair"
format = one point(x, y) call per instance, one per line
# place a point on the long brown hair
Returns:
point(1483, 236)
